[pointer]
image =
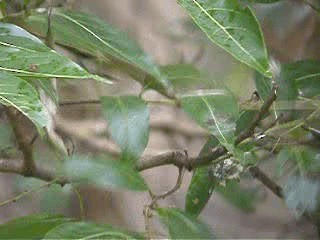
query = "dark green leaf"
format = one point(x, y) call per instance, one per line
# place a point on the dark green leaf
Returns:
point(233, 28)
point(201, 186)
point(244, 121)
point(215, 110)
point(22, 54)
point(90, 35)
point(301, 194)
point(263, 85)
point(182, 225)
point(128, 121)
point(20, 94)
point(83, 230)
point(104, 173)
point(305, 75)
point(238, 196)
point(30, 227)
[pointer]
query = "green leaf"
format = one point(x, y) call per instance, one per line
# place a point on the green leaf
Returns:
point(297, 78)
point(46, 85)
point(201, 186)
point(90, 35)
point(301, 194)
point(215, 110)
point(3, 8)
point(30, 227)
point(233, 28)
point(263, 85)
point(184, 75)
point(238, 196)
point(305, 75)
point(128, 121)
point(20, 94)
point(182, 225)
point(22, 54)
point(104, 173)
point(84, 230)
point(263, 1)
point(304, 158)
point(245, 119)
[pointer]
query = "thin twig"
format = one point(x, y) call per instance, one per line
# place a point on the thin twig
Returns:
point(80, 200)
point(26, 193)
point(268, 182)
point(176, 187)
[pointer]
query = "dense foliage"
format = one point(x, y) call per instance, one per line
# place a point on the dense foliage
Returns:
point(281, 119)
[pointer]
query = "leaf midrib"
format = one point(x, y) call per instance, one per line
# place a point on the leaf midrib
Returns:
point(228, 34)
point(125, 58)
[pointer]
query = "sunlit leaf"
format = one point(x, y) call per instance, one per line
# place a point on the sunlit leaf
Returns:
point(233, 28)
point(22, 54)
point(30, 227)
point(85, 230)
point(20, 94)
point(182, 225)
point(114, 174)
point(128, 122)
point(90, 35)
point(215, 110)
point(202, 185)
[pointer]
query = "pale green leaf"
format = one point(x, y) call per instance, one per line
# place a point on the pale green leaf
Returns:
point(85, 230)
point(128, 122)
point(215, 110)
point(90, 35)
point(183, 76)
point(20, 94)
point(22, 54)
point(233, 28)
point(103, 173)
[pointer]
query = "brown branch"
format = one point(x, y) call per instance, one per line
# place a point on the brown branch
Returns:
point(268, 182)
point(177, 158)
point(23, 141)
point(17, 167)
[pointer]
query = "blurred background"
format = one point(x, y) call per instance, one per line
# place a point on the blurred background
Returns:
point(164, 31)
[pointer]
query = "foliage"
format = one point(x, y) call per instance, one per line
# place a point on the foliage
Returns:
point(281, 121)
